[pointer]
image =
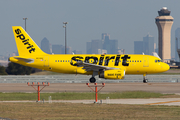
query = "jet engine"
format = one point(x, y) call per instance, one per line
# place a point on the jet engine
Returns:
point(112, 74)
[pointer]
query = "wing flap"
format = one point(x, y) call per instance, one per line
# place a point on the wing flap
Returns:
point(93, 67)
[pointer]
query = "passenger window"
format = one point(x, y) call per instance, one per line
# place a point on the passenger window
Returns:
point(137, 60)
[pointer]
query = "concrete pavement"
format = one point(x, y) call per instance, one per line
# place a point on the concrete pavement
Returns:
point(151, 101)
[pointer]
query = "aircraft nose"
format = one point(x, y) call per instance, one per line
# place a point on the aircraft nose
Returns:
point(166, 67)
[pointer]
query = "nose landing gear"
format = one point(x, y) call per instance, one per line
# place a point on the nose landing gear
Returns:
point(145, 80)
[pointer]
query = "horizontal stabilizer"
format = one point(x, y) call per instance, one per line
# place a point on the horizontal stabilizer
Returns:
point(27, 60)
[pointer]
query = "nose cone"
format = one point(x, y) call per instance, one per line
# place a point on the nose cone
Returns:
point(165, 67)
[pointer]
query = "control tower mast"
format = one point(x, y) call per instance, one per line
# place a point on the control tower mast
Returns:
point(164, 22)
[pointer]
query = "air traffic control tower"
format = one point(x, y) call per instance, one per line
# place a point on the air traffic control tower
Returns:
point(164, 22)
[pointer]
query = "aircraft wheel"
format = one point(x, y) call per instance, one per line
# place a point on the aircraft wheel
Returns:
point(145, 80)
point(92, 80)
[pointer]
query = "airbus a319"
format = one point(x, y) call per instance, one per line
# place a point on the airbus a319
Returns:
point(107, 66)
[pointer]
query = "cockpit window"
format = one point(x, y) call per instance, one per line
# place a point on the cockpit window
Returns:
point(157, 61)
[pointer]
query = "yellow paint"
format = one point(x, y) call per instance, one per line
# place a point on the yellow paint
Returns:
point(162, 102)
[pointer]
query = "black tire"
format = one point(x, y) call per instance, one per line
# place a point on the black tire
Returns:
point(145, 80)
point(92, 80)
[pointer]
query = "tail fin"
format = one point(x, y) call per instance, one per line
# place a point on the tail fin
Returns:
point(25, 44)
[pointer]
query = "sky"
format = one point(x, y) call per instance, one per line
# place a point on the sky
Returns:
point(125, 20)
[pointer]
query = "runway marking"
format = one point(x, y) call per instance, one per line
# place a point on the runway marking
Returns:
point(162, 102)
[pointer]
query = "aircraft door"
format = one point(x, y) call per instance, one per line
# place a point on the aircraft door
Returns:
point(46, 61)
point(146, 61)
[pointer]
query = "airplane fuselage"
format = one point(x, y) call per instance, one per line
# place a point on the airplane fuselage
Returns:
point(133, 64)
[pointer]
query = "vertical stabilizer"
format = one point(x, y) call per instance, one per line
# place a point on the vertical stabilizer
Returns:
point(25, 44)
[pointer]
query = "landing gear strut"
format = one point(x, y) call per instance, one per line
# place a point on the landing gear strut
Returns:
point(145, 80)
point(93, 79)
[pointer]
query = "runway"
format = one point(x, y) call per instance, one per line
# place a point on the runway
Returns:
point(109, 87)
point(82, 87)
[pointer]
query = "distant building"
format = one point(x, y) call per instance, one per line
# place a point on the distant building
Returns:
point(95, 45)
point(105, 36)
point(177, 43)
point(138, 47)
point(114, 47)
point(147, 46)
point(110, 45)
point(58, 49)
point(69, 50)
point(105, 44)
point(45, 46)
point(88, 48)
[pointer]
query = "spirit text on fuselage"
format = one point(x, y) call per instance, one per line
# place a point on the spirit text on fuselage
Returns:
point(99, 61)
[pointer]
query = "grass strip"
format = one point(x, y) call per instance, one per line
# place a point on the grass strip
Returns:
point(69, 111)
point(82, 96)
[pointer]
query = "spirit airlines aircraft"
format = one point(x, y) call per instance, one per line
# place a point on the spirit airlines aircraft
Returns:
point(108, 66)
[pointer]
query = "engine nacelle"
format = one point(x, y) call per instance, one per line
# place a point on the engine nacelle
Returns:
point(112, 74)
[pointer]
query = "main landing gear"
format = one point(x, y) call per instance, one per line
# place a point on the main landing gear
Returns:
point(93, 79)
point(145, 80)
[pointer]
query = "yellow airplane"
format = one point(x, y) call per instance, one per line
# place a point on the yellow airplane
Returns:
point(108, 66)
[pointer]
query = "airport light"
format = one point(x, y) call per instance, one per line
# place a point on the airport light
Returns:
point(96, 89)
point(65, 35)
point(38, 87)
point(25, 22)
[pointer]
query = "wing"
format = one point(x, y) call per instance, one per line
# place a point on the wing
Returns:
point(93, 67)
